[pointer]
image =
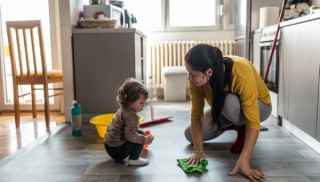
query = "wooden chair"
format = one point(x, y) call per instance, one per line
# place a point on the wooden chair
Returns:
point(28, 65)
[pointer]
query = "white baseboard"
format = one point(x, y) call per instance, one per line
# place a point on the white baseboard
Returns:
point(306, 138)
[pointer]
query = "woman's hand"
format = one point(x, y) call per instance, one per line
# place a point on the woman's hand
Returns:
point(243, 166)
point(196, 158)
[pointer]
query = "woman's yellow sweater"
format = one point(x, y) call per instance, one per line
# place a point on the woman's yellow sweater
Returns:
point(246, 83)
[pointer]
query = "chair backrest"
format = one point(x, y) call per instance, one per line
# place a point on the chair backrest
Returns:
point(26, 48)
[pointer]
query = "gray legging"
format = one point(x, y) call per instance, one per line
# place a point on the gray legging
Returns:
point(231, 115)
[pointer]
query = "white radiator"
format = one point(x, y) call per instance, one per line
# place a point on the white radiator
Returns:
point(171, 53)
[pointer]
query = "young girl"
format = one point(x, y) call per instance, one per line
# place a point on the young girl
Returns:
point(124, 141)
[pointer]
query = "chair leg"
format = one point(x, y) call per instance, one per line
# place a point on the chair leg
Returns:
point(16, 104)
point(33, 99)
point(46, 106)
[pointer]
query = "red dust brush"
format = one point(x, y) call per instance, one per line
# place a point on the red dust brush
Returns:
point(155, 122)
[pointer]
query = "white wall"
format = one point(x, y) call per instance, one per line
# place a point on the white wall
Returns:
point(67, 16)
point(64, 26)
point(69, 12)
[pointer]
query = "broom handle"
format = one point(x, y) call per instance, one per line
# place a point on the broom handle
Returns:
point(274, 43)
point(151, 111)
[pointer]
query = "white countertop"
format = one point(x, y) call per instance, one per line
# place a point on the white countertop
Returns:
point(302, 19)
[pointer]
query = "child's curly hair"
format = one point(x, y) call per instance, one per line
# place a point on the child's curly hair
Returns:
point(130, 91)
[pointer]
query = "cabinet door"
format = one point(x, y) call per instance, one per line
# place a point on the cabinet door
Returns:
point(138, 58)
point(302, 56)
point(101, 63)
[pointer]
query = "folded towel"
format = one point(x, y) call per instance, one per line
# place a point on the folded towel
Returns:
point(199, 168)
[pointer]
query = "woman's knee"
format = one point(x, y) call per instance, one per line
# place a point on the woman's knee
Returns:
point(207, 134)
point(232, 108)
point(265, 110)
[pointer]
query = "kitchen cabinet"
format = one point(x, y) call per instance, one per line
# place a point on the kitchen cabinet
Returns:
point(299, 75)
point(140, 57)
point(103, 59)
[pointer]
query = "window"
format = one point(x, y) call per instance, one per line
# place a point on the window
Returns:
point(147, 12)
point(174, 14)
point(200, 13)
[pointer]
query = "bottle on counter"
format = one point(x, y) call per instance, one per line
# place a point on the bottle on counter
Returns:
point(76, 119)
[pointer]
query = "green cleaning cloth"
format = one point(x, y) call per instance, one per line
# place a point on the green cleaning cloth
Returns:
point(200, 168)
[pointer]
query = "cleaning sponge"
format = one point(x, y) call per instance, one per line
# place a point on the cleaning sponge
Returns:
point(199, 168)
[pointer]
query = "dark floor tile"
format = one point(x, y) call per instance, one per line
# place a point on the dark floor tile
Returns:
point(288, 179)
point(314, 178)
point(281, 156)
point(306, 167)
point(99, 178)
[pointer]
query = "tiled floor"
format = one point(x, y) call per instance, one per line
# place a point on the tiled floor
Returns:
point(11, 140)
point(63, 158)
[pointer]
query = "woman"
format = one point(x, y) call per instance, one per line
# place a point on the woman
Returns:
point(239, 100)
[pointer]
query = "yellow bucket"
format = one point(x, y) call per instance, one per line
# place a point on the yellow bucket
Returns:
point(102, 122)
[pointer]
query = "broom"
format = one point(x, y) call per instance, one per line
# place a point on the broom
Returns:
point(274, 44)
point(154, 121)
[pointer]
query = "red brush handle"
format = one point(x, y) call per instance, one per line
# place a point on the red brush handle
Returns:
point(274, 43)
point(156, 121)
